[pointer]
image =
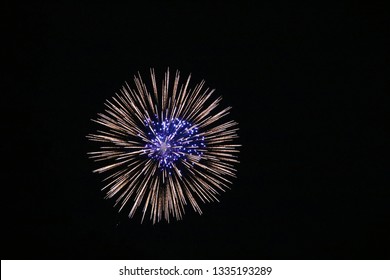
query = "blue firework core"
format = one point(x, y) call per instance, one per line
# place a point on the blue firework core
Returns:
point(171, 140)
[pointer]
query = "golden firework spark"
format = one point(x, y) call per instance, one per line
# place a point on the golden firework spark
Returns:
point(166, 148)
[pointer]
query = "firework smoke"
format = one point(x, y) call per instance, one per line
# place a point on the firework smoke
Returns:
point(166, 148)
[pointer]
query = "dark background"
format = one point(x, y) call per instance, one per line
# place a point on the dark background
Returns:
point(308, 85)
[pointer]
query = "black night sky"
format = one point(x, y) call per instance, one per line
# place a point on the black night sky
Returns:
point(309, 87)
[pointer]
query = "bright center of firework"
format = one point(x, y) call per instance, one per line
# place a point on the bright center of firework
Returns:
point(164, 147)
point(173, 140)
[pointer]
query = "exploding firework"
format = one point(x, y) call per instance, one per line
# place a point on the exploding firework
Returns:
point(166, 148)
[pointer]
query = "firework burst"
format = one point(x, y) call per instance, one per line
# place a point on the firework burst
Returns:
point(163, 149)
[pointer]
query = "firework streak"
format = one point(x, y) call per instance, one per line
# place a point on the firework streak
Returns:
point(163, 149)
